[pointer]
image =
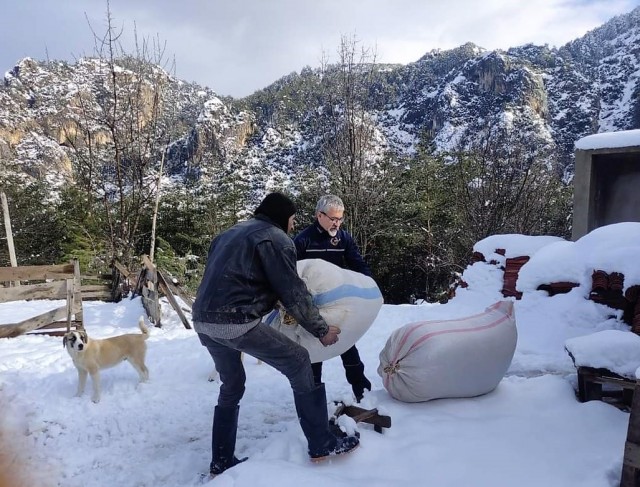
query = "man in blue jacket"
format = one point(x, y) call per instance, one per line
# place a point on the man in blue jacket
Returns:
point(249, 268)
point(324, 239)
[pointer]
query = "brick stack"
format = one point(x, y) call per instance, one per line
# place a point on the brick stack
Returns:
point(607, 289)
point(632, 312)
point(512, 268)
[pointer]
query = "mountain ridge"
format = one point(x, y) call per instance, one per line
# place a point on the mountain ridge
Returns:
point(555, 95)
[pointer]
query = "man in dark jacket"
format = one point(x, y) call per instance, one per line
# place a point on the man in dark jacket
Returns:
point(249, 268)
point(324, 239)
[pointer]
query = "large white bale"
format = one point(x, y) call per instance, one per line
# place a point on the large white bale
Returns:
point(345, 298)
point(450, 358)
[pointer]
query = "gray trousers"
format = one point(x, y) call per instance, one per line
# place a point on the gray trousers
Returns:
point(263, 343)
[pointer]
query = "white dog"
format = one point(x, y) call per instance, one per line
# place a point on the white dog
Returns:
point(89, 356)
point(214, 373)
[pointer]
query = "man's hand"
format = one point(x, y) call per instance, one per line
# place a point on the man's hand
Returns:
point(331, 337)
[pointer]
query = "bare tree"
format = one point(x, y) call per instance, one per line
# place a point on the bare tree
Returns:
point(360, 173)
point(506, 182)
point(119, 130)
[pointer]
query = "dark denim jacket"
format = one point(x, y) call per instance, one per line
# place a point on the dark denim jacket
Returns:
point(249, 268)
point(314, 242)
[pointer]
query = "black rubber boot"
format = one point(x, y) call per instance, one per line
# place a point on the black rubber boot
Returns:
point(223, 439)
point(312, 413)
point(317, 372)
point(355, 377)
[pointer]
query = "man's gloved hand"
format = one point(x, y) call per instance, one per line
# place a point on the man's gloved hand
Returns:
point(331, 337)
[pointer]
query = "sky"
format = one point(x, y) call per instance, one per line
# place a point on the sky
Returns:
point(236, 48)
point(529, 431)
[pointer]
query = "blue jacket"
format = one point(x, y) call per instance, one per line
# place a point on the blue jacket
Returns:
point(249, 268)
point(314, 242)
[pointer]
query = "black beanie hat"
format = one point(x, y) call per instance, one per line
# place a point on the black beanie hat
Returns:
point(278, 208)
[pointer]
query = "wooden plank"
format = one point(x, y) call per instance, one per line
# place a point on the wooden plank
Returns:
point(55, 333)
point(162, 284)
point(151, 268)
point(14, 330)
point(152, 311)
point(44, 290)
point(371, 416)
point(77, 294)
point(633, 433)
point(86, 288)
point(624, 383)
point(632, 454)
point(123, 270)
point(97, 295)
point(149, 294)
point(631, 473)
point(139, 283)
point(176, 290)
point(70, 290)
point(100, 277)
point(36, 272)
point(9, 233)
point(7, 228)
point(55, 325)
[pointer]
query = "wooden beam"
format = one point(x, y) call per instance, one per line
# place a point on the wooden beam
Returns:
point(97, 295)
point(176, 290)
point(9, 233)
point(69, 286)
point(123, 270)
point(45, 290)
point(87, 288)
point(56, 325)
point(77, 293)
point(36, 272)
point(162, 286)
point(14, 330)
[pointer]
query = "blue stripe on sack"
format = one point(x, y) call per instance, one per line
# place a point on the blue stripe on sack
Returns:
point(346, 291)
point(270, 317)
point(341, 292)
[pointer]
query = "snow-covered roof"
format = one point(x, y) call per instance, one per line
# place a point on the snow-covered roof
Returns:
point(610, 140)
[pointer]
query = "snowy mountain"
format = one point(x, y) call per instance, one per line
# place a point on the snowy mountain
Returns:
point(557, 96)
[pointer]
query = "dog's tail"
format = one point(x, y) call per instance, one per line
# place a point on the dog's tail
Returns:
point(143, 327)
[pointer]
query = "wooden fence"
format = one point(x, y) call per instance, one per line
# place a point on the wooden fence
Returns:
point(150, 283)
point(44, 282)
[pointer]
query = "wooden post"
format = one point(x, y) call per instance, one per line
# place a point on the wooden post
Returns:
point(77, 295)
point(631, 459)
point(70, 306)
point(150, 292)
point(7, 228)
point(163, 285)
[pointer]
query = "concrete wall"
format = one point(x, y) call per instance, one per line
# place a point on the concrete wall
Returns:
point(606, 188)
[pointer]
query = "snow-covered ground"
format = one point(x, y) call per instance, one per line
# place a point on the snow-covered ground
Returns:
point(530, 431)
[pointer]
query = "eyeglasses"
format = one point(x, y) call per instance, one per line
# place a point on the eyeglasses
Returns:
point(333, 218)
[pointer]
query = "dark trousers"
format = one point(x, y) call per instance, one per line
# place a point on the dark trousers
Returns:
point(349, 358)
point(263, 343)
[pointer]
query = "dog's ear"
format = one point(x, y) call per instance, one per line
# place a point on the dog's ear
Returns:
point(64, 341)
point(84, 337)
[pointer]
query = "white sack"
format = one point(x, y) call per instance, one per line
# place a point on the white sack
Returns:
point(345, 298)
point(449, 358)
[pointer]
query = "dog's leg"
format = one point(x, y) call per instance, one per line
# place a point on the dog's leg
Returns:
point(258, 361)
point(95, 382)
point(141, 369)
point(213, 375)
point(82, 381)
